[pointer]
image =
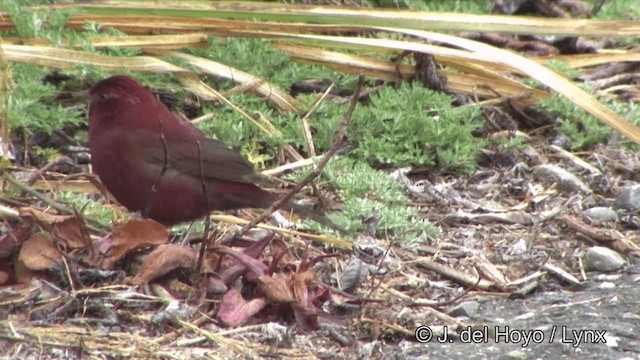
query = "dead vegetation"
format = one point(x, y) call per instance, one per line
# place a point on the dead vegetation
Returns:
point(76, 287)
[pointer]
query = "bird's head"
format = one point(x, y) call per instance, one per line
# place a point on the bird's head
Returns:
point(119, 90)
point(121, 98)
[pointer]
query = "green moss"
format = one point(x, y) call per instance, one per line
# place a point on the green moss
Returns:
point(372, 195)
point(33, 105)
point(583, 129)
point(412, 125)
point(87, 207)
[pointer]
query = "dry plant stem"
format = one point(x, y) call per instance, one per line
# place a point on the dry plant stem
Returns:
point(452, 301)
point(308, 137)
point(96, 226)
point(605, 237)
point(178, 332)
point(306, 129)
point(6, 211)
point(185, 78)
point(291, 166)
point(165, 167)
point(446, 318)
point(73, 280)
point(337, 142)
point(6, 88)
point(40, 172)
point(207, 222)
point(391, 326)
point(455, 275)
point(374, 285)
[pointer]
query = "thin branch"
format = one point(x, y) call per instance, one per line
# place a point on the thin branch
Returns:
point(337, 143)
point(95, 226)
point(207, 223)
point(165, 167)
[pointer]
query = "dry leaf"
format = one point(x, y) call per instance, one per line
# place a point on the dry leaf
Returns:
point(70, 230)
point(39, 253)
point(236, 311)
point(163, 260)
point(277, 288)
point(129, 236)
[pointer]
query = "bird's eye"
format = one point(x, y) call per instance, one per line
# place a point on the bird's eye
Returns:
point(105, 96)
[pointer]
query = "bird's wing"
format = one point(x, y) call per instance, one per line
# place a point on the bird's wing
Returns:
point(219, 162)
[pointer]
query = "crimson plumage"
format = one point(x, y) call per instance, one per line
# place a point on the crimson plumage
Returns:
point(133, 136)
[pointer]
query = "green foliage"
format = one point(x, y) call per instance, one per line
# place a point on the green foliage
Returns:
point(46, 24)
point(368, 193)
point(230, 127)
point(48, 153)
point(409, 125)
point(397, 129)
point(584, 129)
point(32, 105)
point(87, 207)
point(513, 142)
point(412, 125)
point(617, 10)
point(563, 68)
point(258, 57)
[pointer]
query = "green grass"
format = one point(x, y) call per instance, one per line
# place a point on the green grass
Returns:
point(406, 125)
point(584, 130)
point(371, 195)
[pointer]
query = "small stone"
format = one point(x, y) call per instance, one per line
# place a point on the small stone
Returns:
point(629, 198)
point(599, 258)
point(467, 308)
point(517, 248)
point(517, 355)
point(611, 341)
point(601, 214)
point(607, 285)
point(564, 179)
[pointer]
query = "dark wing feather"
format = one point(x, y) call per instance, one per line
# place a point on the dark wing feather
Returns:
point(219, 162)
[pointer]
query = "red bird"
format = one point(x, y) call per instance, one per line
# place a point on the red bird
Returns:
point(150, 161)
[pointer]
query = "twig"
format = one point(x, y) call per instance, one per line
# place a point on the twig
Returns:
point(308, 137)
point(450, 301)
point(291, 166)
point(60, 160)
point(96, 226)
point(306, 129)
point(207, 222)
point(165, 167)
point(176, 333)
point(375, 286)
point(337, 142)
point(344, 244)
point(455, 275)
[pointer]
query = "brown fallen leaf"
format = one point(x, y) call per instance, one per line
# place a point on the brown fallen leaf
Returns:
point(69, 230)
point(131, 235)
point(236, 263)
point(163, 260)
point(293, 290)
point(236, 311)
point(276, 287)
point(39, 253)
